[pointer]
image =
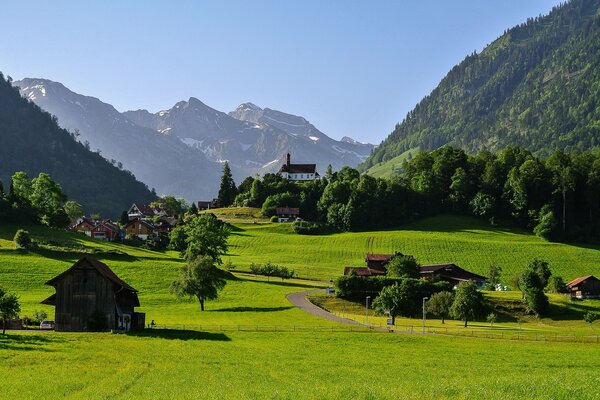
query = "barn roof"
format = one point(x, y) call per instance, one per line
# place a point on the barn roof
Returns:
point(451, 271)
point(102, 268)
point(577, 281)
point(363, 271)
point(287, 210)
point(380, 257)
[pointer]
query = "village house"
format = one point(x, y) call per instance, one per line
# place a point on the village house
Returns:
point(298, 172)
point(143, 211)
point(452, 273)
point(140, 228)
point(207, 205)
point(585, 287)
point(105, 230)
point(287, 214)
point(165, 224)
point(83, 225)
point(89, 296)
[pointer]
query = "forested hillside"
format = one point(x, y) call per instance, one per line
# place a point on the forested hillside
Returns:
point(537, 86)
point(31, 141)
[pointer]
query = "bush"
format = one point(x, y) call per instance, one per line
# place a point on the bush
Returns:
point(353, 287)
point(311, 228)
point(274, 218)
point(270, 269)
point(537, 301)
point(557, 285)
point(22, 239)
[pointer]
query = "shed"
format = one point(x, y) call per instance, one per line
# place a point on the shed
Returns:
point(89, 293)
point(585, 287)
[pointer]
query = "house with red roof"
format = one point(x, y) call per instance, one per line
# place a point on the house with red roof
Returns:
point(585, 287)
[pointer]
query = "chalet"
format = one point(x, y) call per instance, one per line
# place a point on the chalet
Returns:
point(83, 225)
point(143, 211)
point(105, 230)
point(286, 214)
point(585, 287)
point(165, 224)
point(89, 296)
point(298, 172)
point(451, 273)
point(379, 261)
point(140, 228)
point(207, 205)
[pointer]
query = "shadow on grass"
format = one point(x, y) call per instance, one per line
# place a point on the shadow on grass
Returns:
point(252, 309)
point(176, 334)
point(19, 342)
point(247, 277)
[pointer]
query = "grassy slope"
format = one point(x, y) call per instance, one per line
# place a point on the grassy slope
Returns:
point(463, 241)
point(387, 169)
point(292, 366)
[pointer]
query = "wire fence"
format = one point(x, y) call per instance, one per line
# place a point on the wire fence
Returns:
point(498, 334)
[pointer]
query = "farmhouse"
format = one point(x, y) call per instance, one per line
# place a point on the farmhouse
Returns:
point(285, 214)
point(379, 261)
point(450, 273)
point(207, 205)
point(298, 172)
point(89, 296)
point(83, 225)
point(585, 287)
point(143, 211)
point(140, 228)
point(105, 230)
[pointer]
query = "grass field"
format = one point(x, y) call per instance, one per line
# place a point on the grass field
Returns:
point(389, 168)
point(235, 365)
point(464, 241)
point(311, 364)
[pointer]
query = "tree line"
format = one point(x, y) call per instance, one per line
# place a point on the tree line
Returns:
point(557, 197)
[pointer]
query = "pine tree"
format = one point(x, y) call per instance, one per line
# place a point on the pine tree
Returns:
point(193, 209)
point(228, 189)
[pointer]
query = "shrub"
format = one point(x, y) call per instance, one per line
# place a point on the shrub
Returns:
point(270, 269)
point(39, 316)
point(22, 239)
point(537, 301)
point(274, 218)
point(557, 285)
point(311, 228)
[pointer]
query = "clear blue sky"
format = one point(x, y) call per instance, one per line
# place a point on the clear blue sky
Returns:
point(350, 67)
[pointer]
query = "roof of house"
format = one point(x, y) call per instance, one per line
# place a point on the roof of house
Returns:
point(107, 224)
point(577, 281)
point(145, 209)
point(363, 271)
point(451, 271)
point(380, 257)
point(143, 222)
point(299, 168)
point(287, 210)
point(102, 268)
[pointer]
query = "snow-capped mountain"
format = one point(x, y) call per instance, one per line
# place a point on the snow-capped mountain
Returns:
point(180, 151)
point(160, 161)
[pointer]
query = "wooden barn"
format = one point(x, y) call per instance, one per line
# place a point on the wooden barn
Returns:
point(89, 296)
point(450, 273)
point(585, 287)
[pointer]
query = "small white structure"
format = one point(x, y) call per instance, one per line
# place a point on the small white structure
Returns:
point(298, 172)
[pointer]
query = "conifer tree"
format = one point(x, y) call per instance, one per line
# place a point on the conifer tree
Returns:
point(228, 189)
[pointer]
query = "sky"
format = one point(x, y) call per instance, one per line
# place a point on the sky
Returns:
point(352, 68)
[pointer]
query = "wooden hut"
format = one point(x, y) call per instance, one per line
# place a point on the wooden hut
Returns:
point(89, 296)
point(585, 287)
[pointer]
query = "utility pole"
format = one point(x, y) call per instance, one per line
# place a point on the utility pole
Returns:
point(424, 313)
point(367, 311)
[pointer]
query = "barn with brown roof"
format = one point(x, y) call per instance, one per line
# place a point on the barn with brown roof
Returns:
point(89, 296)
point(585, 287)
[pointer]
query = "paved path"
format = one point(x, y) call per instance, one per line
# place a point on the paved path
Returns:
point(299, 300)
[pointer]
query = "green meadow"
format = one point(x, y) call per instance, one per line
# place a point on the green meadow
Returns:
point(207, 356)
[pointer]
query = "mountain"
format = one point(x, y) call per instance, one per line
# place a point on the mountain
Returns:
point(33, 142)
point(536, 86)
point(161, 161)
point(252, 139)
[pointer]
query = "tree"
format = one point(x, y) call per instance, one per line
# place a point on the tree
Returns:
point(73, 210)
point(193, 209)
point(199, 278)
point(48, 198)
point(468, 302)
point(9, 307)
point(124, 219)
point(542, 269)
point(491, 318)
point(22, 239)
point(546, 227)
point(494, 273)
point(390, 301)
point(206, 236)
point(440, 303)
point(590, 317)
point(228, 189)
point(557, 284)
point(403, 267)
